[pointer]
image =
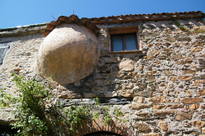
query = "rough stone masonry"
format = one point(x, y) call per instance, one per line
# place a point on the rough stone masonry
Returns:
point(164, 78)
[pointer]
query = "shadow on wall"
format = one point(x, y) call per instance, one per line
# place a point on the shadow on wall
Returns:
point(108, 77)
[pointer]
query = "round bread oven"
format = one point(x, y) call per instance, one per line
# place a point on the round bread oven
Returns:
point(67, 54)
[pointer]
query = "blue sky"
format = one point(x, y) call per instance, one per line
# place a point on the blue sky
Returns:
point(25, 12)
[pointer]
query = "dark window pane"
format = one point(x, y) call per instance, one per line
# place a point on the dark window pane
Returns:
point(130, 41)
point(124, 42)
point(117, 43)
point(3, 49)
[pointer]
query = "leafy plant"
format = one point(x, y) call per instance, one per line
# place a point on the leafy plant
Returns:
point(6, 99)
point(30, 111)
point(96, 115)
point(76, 115)
point(36, 116)
point(117, 112)
point(97, 101)
point(106, 116)
point(181, 27)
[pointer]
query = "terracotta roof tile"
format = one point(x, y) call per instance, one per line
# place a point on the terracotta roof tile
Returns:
point(73, 19)
point(92, 22)
point(147, 17)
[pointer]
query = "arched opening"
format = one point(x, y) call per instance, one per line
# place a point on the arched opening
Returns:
point(98, 128)
point(102, 133)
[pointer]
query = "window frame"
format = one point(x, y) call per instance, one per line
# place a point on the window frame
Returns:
point(124, 46)
point(121, 29)
point(5, 49)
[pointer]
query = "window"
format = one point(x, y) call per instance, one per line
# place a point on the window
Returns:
point(3, 50)
point(124, 42)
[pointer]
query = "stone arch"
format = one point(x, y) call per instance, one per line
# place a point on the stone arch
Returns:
point(99, 127)
point(102, 133)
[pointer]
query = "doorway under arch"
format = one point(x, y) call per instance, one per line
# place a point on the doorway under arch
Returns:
point(97, 127)
point(102, 133)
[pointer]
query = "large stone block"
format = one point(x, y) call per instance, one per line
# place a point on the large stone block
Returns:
point(143, 127)
point(67, 54)
point(183, 116)
point(192, 100)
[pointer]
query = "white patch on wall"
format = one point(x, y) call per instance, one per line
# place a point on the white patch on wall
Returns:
point(3, 49)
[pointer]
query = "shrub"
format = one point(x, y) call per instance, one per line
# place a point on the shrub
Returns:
point(35, 118)
point(30, 110)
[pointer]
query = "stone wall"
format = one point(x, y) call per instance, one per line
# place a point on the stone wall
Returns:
point(19, 58)
point(165, 79)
